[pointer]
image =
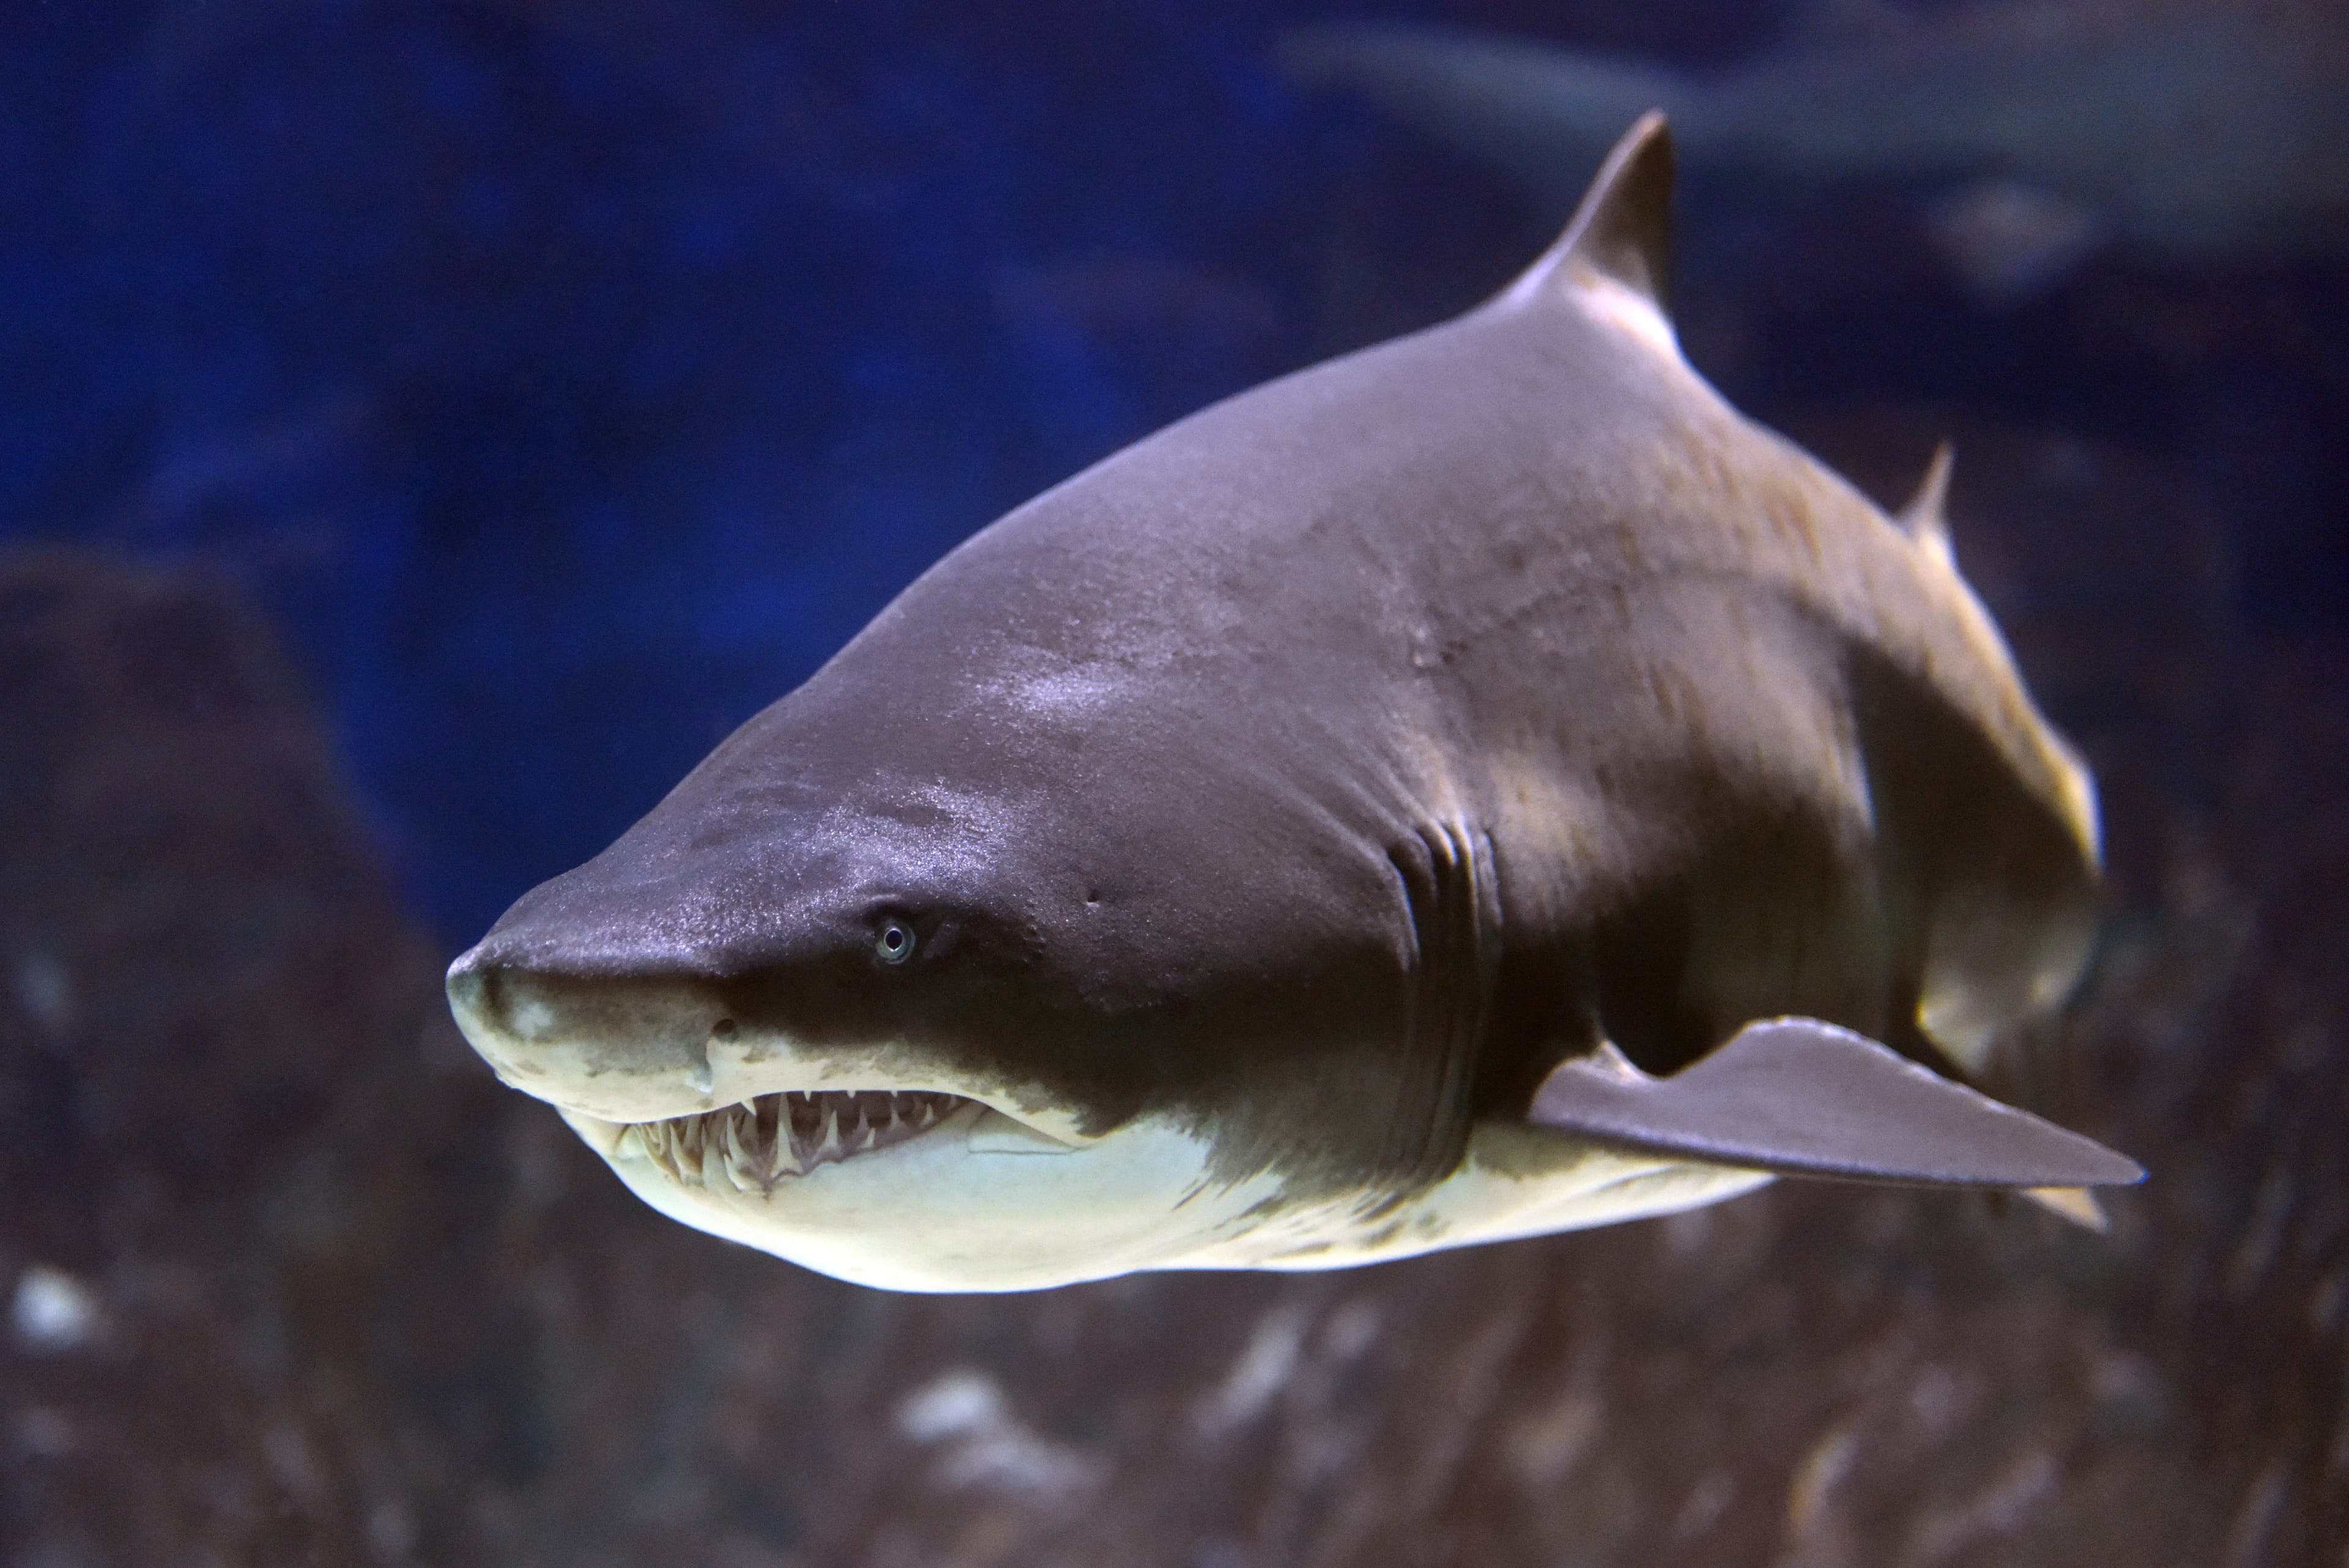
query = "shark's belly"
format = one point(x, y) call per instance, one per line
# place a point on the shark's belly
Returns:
point(978, 1207)
point(1513, 1182)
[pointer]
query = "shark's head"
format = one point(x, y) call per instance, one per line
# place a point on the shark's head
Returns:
point(831, 1037)
point(836, 1001)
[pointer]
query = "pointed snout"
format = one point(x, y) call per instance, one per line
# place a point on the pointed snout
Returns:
point(621, 1048)
point(502, 1010)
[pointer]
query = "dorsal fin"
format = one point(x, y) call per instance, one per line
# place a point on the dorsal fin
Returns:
point(1623, 232)
point(1926, 517)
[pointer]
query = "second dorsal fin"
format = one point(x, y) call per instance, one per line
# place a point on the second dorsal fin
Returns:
point(1621, 235)
point(1925, 518)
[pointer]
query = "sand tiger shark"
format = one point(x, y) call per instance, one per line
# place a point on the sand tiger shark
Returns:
point(1476, 787)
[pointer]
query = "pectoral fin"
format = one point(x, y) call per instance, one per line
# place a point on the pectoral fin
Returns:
point(2074, 1205)
point(1807, 1098)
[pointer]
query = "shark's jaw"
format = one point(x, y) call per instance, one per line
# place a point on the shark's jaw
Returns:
point(778, 1137)
point(873, 1161)
point(954, 1196)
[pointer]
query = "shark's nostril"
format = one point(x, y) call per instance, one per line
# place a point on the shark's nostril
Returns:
point(483, 997)
point(468, 986)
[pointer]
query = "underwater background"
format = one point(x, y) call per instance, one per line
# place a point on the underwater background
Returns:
point(433, 426)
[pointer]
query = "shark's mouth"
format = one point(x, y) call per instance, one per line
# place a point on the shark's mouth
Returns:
point(748, 1148)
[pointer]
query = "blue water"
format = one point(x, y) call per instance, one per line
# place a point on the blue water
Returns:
point(570, 380)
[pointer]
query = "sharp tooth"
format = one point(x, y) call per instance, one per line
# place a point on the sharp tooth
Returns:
point(737, 1159)
point(759, 1152)
point(831, 1144)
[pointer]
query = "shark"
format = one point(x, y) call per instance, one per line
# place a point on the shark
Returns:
point(2179, 132)
point(1476, 787)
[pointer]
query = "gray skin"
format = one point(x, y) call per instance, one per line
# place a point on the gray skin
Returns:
point(1319, 774)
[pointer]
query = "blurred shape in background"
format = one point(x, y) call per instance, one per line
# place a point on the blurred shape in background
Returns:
point(2036, 134)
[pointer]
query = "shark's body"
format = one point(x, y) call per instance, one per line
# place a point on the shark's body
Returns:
point(1268, 848)
point(2189, 132)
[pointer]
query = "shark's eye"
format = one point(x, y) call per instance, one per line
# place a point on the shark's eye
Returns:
point(894, 942)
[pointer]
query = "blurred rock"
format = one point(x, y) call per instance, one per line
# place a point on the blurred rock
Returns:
point(348, 1301)
point(195, 944)
point(201, 966)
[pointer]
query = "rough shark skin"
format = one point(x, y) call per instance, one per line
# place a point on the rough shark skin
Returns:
point(1383, 811)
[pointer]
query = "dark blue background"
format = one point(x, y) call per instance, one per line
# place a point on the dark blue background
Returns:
point(572, 378)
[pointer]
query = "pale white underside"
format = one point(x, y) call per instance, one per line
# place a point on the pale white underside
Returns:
point(1011, 1194)
point(983, 1203)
